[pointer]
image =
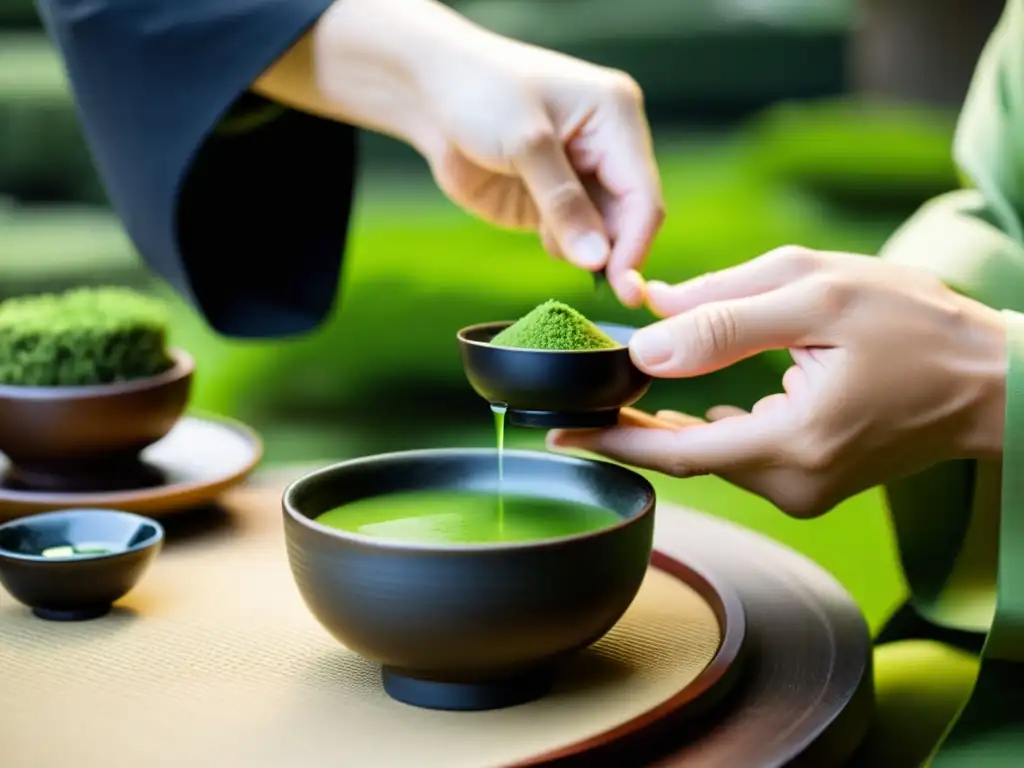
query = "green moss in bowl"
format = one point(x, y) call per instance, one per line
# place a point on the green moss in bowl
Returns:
point(82, 337)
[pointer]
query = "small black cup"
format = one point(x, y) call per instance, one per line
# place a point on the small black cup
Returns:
point(546, 389)
point(79, 586)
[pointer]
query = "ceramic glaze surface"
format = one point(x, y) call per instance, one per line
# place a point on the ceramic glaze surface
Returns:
point(469, 626)
point(545, 388)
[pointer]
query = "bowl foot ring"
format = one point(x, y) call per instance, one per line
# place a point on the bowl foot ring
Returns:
point(563, 419)
point(76, 614)
point(467, 697)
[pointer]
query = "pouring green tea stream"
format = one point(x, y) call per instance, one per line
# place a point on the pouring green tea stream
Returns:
point(551, 325)
point(499, 427)
point(463, 517)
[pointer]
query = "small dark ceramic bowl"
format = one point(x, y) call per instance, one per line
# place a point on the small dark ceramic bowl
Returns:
point(545, 389)
point(84, 586)
point(469, 627)
point(89, 438)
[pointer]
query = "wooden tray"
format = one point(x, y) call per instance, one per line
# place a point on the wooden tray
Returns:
point(806, 694)
point(217, 642)
point(213, 660)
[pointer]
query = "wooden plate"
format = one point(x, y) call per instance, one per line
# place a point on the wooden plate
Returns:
point(217, 641)
point(697, 699)
point(805, 695)
point(198, 460)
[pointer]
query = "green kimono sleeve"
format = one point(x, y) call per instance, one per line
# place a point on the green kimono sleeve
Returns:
point(960, 526)
point(947, 519)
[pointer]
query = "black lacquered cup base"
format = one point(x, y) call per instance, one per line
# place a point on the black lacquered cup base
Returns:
point(467, 697)
point(77, 614)
point(562, 420)
point(545, 389)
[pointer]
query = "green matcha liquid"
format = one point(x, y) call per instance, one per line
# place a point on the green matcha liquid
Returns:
point(466, 517)
point(499, 428)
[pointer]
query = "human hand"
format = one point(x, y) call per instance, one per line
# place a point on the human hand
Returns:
point(893, 372)
point(523, 137)
point(532, 139)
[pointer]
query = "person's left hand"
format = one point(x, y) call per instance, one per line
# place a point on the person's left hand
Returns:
point(893, 372)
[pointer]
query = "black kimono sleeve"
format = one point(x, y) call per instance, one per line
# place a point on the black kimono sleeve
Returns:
point(248, 221)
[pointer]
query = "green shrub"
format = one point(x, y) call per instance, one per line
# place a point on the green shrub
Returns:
point(81, 337)
point(18, 14)
point(43, 155)
point(856, 153)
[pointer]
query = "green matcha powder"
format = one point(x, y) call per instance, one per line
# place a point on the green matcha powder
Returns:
point(556, 326)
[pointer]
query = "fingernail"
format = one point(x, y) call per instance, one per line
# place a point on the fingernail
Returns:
point(632, 289)
point(651, 346)
point(590, 251)
point(560, 442)
point(654, 291)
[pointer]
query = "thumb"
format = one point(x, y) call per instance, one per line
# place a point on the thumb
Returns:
point(713, 336)
point(566, 210)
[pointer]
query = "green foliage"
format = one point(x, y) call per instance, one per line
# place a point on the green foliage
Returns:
point(554, 325)
point(42, 152)
point(18, 14)
point(81, 337)
point(857, 153)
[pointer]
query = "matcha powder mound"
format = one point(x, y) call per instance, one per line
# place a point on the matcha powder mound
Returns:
point(554, 325)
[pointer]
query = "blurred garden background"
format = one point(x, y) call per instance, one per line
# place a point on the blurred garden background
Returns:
point(818, 122)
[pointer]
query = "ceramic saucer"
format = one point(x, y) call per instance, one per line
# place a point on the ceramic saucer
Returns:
point(197, 461)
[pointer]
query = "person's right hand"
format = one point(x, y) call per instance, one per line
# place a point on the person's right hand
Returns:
point(532, 139)
point(523, 137)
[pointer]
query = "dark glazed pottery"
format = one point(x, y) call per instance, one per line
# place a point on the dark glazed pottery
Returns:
point(82, 587)
point(89, 438)
point(545, 389)
point(469, 627)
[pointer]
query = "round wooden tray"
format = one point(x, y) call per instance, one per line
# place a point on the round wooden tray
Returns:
point(214, 659)
point(806, 695)
point(217, 641)
point(696, 699)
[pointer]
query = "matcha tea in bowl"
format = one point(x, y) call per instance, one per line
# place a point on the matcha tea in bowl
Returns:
point(467, 592)
point(553, 368)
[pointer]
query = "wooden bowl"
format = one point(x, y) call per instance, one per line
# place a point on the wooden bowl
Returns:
point(89, 438)
point(469, 626)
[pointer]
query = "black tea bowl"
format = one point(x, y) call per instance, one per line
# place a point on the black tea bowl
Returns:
point(469, 626)
point(545, 389)
point(94, 558)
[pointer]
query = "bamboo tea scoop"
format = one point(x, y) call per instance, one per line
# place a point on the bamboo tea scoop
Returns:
point(633, 417)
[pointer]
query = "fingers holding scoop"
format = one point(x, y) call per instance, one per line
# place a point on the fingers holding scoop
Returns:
point(638, 440)
point(681, 445)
